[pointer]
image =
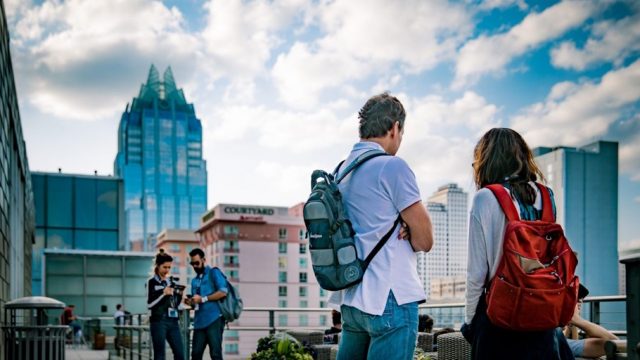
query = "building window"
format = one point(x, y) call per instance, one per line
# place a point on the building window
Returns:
point(232, 274)
point(302, 291)
point(175, 248)
point(304, 320)
point(230, 246)
point(323, 304)
point(282, 262)
point(302, 234)
point(231, 334)
point(282, 276)
point(282, 233)
point(230, 260)
point(231, 349)
point(303, 277)
point(282, 303)
point(303, 263)
point(304, 304)
point(230, 230)
point(282, 291)
point(303, 248)
point(282, 320)
point(282, 248)
point(323, 320)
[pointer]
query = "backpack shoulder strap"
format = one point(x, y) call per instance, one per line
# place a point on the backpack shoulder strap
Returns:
point(361, 159)
point(381, 243)
point(547, 204)
point(504, 199)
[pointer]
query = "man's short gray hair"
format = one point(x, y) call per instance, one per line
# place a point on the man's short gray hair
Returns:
point(378, 115)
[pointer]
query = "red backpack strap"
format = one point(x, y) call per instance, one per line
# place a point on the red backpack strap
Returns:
point(547, 207)
point(505, 201)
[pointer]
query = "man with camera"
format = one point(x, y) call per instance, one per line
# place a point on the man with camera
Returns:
point(207, 288)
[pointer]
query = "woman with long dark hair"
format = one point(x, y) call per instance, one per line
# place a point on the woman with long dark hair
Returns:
point(502, 157)
point(163, 302)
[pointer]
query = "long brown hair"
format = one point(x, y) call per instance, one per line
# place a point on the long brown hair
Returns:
point(502, 156)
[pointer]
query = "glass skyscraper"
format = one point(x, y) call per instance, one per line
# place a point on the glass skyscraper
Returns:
point(160, 160)
point(585, 182)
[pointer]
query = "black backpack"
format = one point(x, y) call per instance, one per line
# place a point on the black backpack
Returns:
point(331, 237)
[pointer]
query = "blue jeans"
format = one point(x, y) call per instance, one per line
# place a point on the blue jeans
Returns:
point(169, 330)
point(390, 336)
point(211, 335)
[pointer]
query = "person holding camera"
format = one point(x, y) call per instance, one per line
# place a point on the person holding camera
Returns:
point(207, 288)
point(163, 299)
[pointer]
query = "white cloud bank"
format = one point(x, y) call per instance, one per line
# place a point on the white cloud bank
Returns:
point(491, 54)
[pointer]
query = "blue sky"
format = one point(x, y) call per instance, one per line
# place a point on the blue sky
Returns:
point(277, 84)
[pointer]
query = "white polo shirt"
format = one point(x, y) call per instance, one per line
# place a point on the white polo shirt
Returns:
point(373, 196)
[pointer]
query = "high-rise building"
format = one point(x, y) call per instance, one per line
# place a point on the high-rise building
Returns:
point(264, 250)
point(16, 197)
point(160, 160)
point(585, 182)
point(83, 212)
point(449, 215)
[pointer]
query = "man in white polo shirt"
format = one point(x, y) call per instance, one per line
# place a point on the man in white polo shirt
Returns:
point(380, 314)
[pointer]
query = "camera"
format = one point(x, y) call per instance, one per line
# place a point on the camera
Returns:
point(177, 288)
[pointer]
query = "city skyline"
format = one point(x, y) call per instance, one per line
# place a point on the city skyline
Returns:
point(257, 72)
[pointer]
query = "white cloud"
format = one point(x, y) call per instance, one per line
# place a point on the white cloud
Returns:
point(501, 4)
point(490, 54)
point(76, 59)
point(584, 113)
point(301, 74)
point(610, 41)
point(361, 38)
point(629, 154)
point(240, 36)
point(282, 129)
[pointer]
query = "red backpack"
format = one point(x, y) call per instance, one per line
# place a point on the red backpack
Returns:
point(535, 286)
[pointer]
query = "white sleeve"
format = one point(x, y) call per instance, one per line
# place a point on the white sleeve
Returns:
point(477, 267)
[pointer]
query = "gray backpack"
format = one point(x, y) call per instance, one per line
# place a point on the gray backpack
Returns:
point(331, 237)
point(231, 305)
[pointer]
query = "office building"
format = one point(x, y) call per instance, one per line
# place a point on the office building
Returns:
point(96, 281)
point(160, 160)
point(16, 197)
point(76, 212)
point(585, 182)
point(178, 244)
point(264, 250)
point(449, 216)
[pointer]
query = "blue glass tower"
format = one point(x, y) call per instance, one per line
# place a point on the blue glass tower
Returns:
point(160, 160)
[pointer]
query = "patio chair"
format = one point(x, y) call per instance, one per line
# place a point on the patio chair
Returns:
point(453, 346)
point(310, 337)
point(425, 341)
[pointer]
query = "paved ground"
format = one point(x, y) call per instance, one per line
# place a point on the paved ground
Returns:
point(84, 354)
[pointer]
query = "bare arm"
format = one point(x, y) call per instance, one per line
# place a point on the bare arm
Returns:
point(592, 330)
point(419, 223)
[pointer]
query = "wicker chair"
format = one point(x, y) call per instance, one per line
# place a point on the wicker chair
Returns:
point(323, 352)
point(425, 341)
point(310, 337)
point(453, 346)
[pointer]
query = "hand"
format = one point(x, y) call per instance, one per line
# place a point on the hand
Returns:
point(404, 231)
point(187, 301)
point(168, 291)
point(196, 299)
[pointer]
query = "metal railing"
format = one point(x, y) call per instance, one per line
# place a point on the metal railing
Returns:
point(135, 341)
